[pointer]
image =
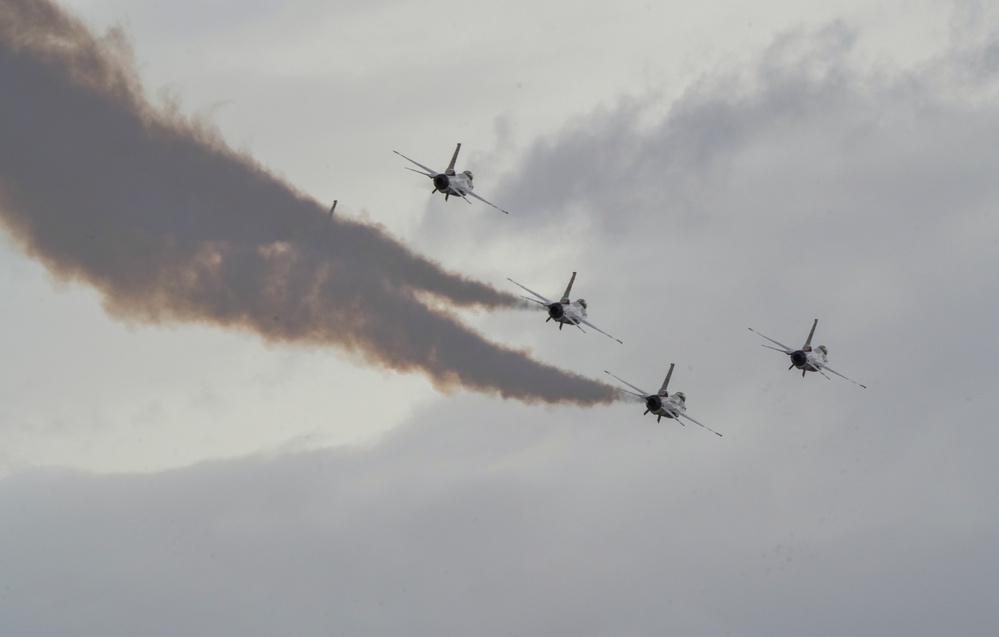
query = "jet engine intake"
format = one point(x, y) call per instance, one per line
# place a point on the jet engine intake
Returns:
point(799, 358)
point(556, 311)
point(441, 182)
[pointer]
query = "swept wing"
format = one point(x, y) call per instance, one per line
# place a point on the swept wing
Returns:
point(784, 348)
point(833, 371)
point(488, 203)
point(427, 171)
point(641, 392)
point(682, 414)
point(600, 330)
point(547, 301)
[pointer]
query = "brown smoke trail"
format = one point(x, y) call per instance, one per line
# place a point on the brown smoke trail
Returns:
point(170, 224)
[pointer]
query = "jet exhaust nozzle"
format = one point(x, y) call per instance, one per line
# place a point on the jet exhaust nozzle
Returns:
point(653, 403)
point(556, 311)
point(798, 358)
point(441, 182)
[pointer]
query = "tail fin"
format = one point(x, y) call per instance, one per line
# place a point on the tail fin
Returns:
point(808, 343)
point(454, 158)
point(568, 288)
point(662, 390)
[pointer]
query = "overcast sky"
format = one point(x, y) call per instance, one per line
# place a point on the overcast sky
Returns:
point(705, 167)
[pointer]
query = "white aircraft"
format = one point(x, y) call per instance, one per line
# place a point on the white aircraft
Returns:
point(662, 404)
point(565, 312)
point(449, 182)
point(807, 359)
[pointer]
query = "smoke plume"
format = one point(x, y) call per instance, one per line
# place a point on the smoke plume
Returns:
point(169, 223)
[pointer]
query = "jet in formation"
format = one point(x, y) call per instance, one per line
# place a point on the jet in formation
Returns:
point(807, 359)
point(662, 403)
point(449, 182)
point(565, 312)
point(574, 313)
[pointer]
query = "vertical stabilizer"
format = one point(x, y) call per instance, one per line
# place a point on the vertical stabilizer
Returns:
point(568, 288)
point(662, 390)
point(808, 343)
point(454, 158)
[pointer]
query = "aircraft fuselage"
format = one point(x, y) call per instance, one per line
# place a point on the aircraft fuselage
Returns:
point(456, 184)
point(666, 406)
point(808, 359)
point(567, 313)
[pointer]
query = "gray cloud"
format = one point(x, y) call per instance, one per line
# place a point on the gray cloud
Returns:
point(808, 184)
point(501, 526)
point(802, 185)
point(805, 122)
point(170, 224)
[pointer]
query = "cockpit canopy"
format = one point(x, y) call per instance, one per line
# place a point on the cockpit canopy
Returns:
point(468, 173)
point(582, 303)
point(822, 348)
point(682, 396)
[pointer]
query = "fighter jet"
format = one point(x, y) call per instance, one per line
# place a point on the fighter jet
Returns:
point(449, 182)
point(565, 312)
point(661, 403)
point(807, 359)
